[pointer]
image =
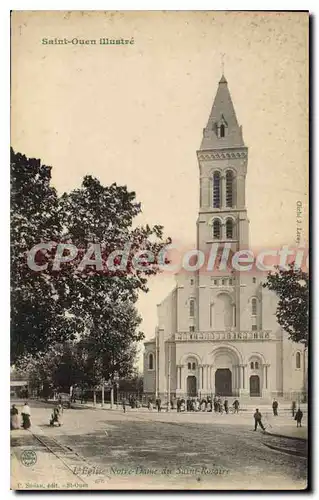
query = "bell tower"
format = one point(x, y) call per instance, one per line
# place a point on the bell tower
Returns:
point(222, 219)
point(222, 160)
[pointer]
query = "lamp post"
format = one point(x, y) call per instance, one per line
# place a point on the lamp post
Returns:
point(102, 397)
point(169, 379)
point(114, 381)
point(117, 384)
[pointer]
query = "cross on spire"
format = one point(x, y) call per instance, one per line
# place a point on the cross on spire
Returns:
point(222, 56)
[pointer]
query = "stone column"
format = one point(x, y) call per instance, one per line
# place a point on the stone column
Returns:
point(203, 380)
point(208, 375)
point(240, 377)
point(234, 378)
point(178, 377)
point(243, 377)
point(265, 384)
point(200, 377)
point(234, 315)
point(212, 379)
point(182, 384)
point(223, 192)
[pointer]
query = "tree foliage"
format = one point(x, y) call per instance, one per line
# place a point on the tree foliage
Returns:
point(92, 306)
point(292, 289)
point(35, 311)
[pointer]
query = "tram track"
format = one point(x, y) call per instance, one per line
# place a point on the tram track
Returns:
point(70, 458)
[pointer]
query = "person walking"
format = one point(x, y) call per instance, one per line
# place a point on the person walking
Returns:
point(178, 405)
point(275, 408)
point(26, 416)
point(236, 406)
point(215, 404)
point(293, 408)
point(226, 406)
point(257, 418)
point(123, 405)
point(158, 404)
point(14, 419)
point(298, 417)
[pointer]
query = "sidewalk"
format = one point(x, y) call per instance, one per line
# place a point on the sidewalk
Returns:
point(289, 431)
point(48, 472)
point(284, 409)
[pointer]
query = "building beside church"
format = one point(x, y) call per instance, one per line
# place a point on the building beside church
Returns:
point(217, 332)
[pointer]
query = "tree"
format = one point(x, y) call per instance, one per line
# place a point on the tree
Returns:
point(62, 365)
point(104, 300)
point(292, 288)
point(89, 304)
point(37, 318)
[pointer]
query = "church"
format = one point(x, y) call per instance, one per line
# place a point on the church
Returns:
point(217, 332)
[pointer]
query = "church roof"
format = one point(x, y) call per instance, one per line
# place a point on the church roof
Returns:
point(222, 112)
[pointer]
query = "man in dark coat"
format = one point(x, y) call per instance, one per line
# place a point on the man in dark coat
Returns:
point(275, 408)
point(298, 417)
point(226, 406)
point(178, 405)
point(257, 417)
point(158, 404)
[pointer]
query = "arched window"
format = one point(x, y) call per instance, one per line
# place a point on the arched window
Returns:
point(222, 130)
point(151, 362)
point(254, 307)
point(189, 366)
point(298, 360)
point(216, 190)
point(252, 365)
point(256, 365)
point(192, 308)
point(229, 229)
point(229, 188)
point(217, 229)
point(193, 366)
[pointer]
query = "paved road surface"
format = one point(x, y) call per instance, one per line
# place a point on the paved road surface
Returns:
point(170, 450)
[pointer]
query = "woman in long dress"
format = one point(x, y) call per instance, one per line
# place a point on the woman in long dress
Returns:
point(26, 416)
point(14, 419)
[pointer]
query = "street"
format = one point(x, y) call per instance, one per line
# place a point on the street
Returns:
point(141, 449)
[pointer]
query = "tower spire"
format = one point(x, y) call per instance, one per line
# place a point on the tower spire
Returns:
point(222, 129)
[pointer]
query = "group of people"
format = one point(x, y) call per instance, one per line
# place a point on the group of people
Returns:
point(196, 404)
point(297, 415)
point(56, 416)
point(25, 416)
point(217, 405)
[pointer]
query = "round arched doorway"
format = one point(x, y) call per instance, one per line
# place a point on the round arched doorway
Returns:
point(225, 361)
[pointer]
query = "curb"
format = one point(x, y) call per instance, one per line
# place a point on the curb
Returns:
point(288, 451)
point(286, 436)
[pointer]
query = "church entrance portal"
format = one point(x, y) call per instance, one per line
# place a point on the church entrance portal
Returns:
point(223, 382)
point(191, 386)
point(254, 386)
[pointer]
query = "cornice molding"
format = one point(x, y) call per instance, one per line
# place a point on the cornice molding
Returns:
point(221, 155)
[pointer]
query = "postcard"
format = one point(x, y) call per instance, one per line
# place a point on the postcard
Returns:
point(159, 262)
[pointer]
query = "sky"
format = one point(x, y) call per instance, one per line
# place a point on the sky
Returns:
point(134, 113)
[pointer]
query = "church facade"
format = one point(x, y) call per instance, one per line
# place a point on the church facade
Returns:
point(217, 331)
